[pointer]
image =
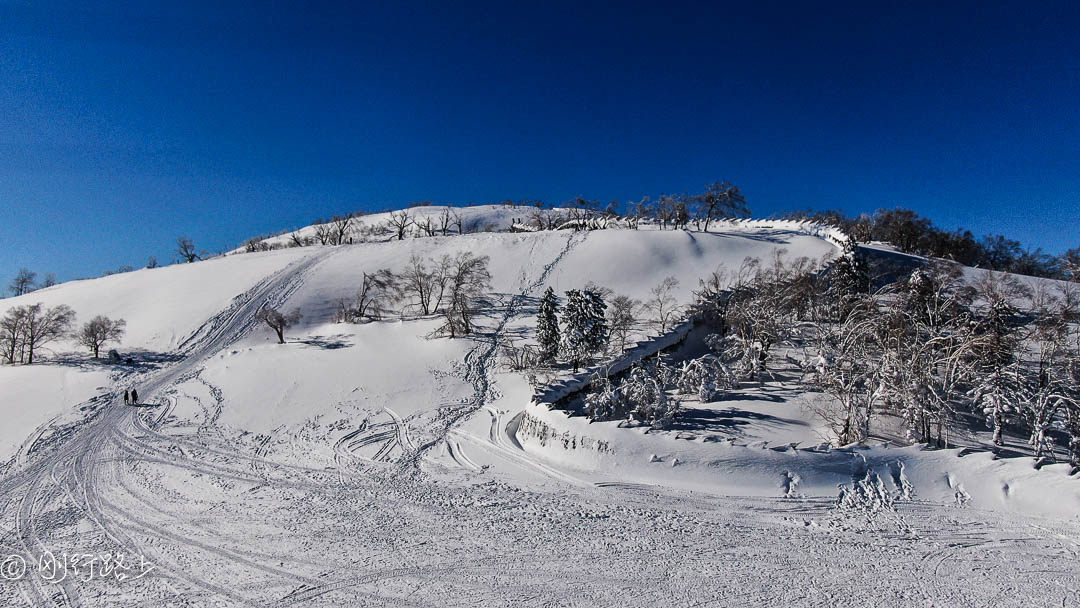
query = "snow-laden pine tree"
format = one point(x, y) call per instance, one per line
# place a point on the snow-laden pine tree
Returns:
point(848, 276)
point(547, 327)
point(606, 401)
point(584, 331)
point(645, 390)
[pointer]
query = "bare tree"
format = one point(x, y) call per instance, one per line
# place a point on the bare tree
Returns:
point(721, 200)
point(277, 321)
point(50, 280)
point(13, 334)
point(468, 279)
point(376, 291)
point(428, 226)
point(23, 282)
point(324, 234)
point(399, 223)
point(424, 285)
point(45, 325)
point(848, 373)
point(152, 262)
point(662, 306)
point(100, 330)
point(185, 248)
point(927, 349)
point(622, 317)
point(339, 230)
point(445, 221)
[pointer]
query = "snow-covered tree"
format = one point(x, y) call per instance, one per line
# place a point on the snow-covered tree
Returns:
point(998, 324)
point(847, 371)
point(762, 310)
point(606, 401)
point(928, 349)
point(848, 276)
point(584, 332)
point(547, 327)
point(645, 389)
point(1045, 381)
point(706, 377)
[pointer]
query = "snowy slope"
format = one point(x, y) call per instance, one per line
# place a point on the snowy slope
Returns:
point(161, 305)
point(372, 464)
point(474, 219)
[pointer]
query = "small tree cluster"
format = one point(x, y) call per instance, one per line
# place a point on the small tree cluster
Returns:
point(24, 330)
point(642, 395)
point(759, 307)
point(911, 233)
point(706, 377)
point(377, 291)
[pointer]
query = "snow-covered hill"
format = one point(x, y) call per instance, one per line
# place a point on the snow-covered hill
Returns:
point(376, 464)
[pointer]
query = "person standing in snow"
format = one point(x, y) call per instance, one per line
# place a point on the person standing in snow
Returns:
point(127, 397)
point(134, 397)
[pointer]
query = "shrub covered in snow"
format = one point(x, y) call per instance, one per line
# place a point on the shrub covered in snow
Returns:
point(642, 395)
point(706, 377)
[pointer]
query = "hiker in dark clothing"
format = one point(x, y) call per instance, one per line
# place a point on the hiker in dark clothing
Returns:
point(127, 397)
point(134, 397)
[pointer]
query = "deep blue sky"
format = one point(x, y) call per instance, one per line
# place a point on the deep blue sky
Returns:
point(126, 126)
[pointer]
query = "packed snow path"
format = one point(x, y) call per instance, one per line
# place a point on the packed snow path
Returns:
point(225, 524)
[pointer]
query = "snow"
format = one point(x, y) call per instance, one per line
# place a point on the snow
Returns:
point(161, 305)
point(372, 464)
point(36, 394)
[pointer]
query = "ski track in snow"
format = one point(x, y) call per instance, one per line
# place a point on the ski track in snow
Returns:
point(227, 524)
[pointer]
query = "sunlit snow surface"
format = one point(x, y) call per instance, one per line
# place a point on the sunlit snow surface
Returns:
point(374, 465)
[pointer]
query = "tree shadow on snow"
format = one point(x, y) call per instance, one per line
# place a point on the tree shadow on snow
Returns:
point(129, 360)
point(328, 342)
point(729, 421)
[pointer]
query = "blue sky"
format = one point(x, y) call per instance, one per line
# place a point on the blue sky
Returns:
point(124, 126)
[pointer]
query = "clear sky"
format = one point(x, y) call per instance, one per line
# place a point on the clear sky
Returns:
point(125, 126)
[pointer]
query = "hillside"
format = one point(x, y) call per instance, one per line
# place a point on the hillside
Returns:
point(383, 463)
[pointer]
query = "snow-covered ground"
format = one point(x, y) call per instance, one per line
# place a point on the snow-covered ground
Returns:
point(372, 464)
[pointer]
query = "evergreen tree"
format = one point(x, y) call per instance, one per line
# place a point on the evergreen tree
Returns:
point(849, 275)
point(584, 326)
point(547, 327)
